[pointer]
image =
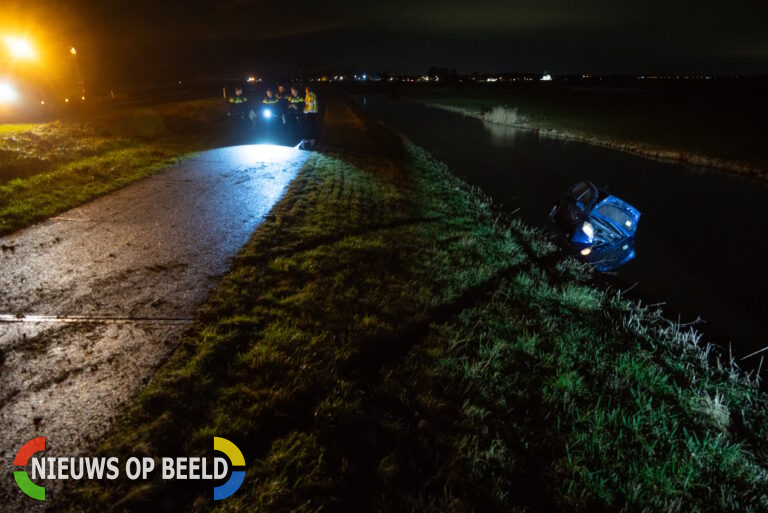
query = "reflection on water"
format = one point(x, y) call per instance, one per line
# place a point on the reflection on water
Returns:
point(502, 135)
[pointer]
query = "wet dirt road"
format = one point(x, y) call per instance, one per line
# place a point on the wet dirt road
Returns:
point(94, 300)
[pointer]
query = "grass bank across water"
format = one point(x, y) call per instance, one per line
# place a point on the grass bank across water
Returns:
point(713, 126)
point(387, 343)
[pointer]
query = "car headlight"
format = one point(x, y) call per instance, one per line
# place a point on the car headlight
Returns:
point(267, 113)
point(588, 230)
point(8, 93)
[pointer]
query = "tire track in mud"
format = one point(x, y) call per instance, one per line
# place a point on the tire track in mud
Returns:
point(152, 250)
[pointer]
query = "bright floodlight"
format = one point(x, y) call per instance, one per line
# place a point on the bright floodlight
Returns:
point(20, 48)
point(73, 51)
point(7, 93)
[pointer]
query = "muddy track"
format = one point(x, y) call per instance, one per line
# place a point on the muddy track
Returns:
point(93, 301)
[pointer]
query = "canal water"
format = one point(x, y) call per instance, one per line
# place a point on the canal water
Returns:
point(702, 239)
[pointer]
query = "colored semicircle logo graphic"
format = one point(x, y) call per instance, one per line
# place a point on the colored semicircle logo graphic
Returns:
point(21, 476)
point(237, 460)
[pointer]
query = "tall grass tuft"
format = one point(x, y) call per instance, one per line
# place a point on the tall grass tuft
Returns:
point(503, 115)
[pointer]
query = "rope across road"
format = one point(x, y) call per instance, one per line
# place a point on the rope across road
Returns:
point(87, 319)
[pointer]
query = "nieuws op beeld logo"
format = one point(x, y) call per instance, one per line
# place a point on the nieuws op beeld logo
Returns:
point(180, 468)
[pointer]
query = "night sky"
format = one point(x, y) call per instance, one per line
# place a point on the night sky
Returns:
point(145, 39)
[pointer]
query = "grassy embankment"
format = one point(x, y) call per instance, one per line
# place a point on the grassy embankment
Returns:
point(386, 343)
point(47, 168)
point(711, 125)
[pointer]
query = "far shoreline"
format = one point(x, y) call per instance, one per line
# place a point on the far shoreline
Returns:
point(697, 160)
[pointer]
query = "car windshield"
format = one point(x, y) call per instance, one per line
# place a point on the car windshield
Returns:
point(615, 214)
point(582, 193)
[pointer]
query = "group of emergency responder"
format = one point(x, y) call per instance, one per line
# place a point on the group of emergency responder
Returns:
point(284, 114)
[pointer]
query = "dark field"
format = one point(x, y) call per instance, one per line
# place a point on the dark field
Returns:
point(46, 168)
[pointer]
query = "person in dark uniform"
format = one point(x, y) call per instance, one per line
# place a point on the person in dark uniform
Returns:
point(295, 111)
point(269, 111)
point(282, 103)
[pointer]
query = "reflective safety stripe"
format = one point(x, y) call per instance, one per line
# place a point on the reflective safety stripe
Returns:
point(310, 103)
point(270, 100)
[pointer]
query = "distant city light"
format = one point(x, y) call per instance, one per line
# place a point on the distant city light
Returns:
point(546, 78)
point(8, 93)
point(19, 47)
point(251, 80)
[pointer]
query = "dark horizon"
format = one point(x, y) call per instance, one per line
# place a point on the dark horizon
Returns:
point(141, 40)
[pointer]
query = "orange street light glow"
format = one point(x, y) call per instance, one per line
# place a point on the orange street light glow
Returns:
point(73, 51)
point(20, 48)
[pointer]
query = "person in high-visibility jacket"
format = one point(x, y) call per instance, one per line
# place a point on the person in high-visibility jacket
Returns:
point(269, 99)
point(238, 103)
point(310, 117)
point(296, 102)
point(269, 110)
point(238, 98)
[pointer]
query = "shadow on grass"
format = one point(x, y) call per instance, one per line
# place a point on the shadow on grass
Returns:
point(385, 343)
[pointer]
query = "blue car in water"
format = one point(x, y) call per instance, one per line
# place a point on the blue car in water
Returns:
point(598, 226)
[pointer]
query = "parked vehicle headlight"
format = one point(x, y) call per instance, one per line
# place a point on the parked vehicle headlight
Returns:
point(8, 93)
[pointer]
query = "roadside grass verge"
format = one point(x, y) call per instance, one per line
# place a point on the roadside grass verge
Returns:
point(386, 342)
point(10, 128)
point(51, 167)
